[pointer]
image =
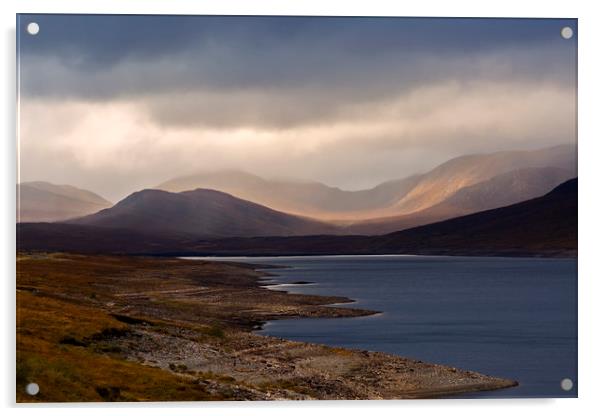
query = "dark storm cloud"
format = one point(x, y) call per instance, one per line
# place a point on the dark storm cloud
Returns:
point(276, 72)
point(102, 40)
point(98, 57)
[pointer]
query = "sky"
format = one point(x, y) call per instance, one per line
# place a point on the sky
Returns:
point(115, 104)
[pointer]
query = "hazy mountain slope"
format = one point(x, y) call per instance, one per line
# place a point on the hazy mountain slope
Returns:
point(446, 179)
point(392, 198)
point(544, 226)
point(200, 212)
point(302, 198)
point(547, 224)
point(502, 190)
point(43, 201)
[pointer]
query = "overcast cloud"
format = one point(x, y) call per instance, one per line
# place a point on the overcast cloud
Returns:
point(114, 103)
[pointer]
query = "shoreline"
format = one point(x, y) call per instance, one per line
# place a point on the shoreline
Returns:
point(188, 326)
point(485, 254)
point(449, 391)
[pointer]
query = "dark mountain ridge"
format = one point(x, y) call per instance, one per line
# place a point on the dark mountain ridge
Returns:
point(200, 212)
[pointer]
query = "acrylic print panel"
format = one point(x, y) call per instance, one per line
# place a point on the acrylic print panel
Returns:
point(262, 208)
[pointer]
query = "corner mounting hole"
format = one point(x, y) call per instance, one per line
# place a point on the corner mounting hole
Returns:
point(566, 32)
point(566, 384)
point(32, 389)
point(33, 28)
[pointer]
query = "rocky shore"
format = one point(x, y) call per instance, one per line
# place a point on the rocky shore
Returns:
point(192, 322)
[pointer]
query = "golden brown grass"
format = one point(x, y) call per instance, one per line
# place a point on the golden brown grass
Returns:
point(75, 373)
point(71, 307)
point(59, 304)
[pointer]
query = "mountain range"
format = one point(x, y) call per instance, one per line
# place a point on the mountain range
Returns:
point(239, 205)
point(543, 226)
point(411, 195)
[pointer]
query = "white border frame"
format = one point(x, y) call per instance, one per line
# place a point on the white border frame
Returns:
point(590, 151)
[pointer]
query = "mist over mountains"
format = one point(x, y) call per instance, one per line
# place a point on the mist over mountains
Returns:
point(460, 186)
point(237, 204)
point(313, 199)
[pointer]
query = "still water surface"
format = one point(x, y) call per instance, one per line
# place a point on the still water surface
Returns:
point(508, 317)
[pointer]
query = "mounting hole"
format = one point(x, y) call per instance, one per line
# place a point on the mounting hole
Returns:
point(566, 384)
point(32, 389)
point(33, 28)
point(566, 32)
